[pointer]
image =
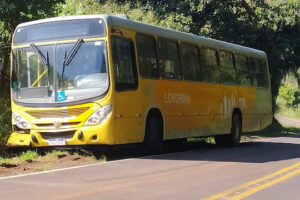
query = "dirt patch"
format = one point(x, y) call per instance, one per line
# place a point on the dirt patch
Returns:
point(43, 163)
point(287, 121)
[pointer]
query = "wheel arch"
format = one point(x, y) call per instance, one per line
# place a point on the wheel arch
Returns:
point(153, 111)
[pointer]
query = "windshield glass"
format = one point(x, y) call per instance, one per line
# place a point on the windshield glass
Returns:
point(85, 76)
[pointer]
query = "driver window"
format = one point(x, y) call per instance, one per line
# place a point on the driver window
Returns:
point(124, 64)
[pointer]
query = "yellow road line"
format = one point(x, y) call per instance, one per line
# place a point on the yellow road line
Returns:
point(254, 186)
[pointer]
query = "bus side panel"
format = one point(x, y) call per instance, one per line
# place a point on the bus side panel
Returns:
point(211, 103)
point(246, 101)
point(263, 107)
point(169, 97)
point(129, 120)
point(195, 116)
point(190, 108)
point(230, 101)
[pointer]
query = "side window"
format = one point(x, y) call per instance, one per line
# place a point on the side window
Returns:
point(146, 51)
point(263, 79)
point(190, 61)
point(255, 71)
point(210, 65)
point(241, 63)
point(227, 68)
point(168, 59)
point(125, 72)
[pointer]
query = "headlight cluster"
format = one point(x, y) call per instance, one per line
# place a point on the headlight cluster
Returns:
point(20, 122)
point(98, 116)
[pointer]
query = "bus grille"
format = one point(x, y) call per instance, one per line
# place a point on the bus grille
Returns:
point(57, 113)
point(65, 134)
point(63, 125)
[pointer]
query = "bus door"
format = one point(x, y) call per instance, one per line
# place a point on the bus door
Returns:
point(127, 99)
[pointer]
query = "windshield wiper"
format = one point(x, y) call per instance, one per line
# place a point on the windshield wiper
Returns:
point(40, 54)
point(44, 60)
point(72, 53)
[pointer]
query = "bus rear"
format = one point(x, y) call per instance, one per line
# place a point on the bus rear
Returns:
point(60, 83)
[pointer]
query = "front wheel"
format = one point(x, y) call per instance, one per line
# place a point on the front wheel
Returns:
point(232, 139)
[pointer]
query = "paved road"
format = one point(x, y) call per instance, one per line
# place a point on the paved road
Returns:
point(196, 174)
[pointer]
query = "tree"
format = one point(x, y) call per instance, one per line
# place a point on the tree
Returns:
point(14, 12)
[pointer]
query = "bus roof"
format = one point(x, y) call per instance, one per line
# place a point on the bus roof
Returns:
point(119, 22)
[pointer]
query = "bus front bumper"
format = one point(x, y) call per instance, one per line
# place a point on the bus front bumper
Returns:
point(18, 139)
point(91, 135)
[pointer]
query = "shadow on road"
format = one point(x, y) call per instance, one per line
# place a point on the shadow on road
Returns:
point(270, 150)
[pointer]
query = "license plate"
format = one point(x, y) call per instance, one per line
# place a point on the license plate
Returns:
point(56, 142)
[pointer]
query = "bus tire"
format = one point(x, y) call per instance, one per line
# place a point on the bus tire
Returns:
point(153, 142)
point(232, 139)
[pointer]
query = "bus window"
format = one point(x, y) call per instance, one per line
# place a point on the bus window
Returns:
point(168, 57)
point(210, 64)
point(241, 63)
point(254, 68)
point(146, 51)
point(190, 61)
point(124, 64)
point(227, 68)
point(258, 71)
point(263, 79)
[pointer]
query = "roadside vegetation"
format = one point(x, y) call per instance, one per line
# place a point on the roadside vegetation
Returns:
point(288, 99)
point(34, 161)
point(274, 130)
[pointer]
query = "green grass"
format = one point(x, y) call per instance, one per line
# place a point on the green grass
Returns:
point(286, 112)
point(7, 162)
point(288, 99)
point(46, 160)
point(28, 156)
point(17, 159)
point(274, 130)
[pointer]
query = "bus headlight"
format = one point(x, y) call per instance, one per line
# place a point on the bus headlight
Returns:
point(20, 122)
point(98, 116)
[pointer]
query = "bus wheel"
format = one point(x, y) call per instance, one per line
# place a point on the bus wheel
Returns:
point(153, 142)
point(232, 139)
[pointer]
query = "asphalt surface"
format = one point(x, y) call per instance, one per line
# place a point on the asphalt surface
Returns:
point(189, 175)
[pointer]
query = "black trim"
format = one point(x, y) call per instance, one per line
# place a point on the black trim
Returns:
point(66, 38)
point(52, 105)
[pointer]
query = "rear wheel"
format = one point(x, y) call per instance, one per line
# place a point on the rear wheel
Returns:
point(232, 139)
point(153, 142)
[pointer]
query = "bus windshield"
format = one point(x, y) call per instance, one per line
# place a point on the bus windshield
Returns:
point(59, 73)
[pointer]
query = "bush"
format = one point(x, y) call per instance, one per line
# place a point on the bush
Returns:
point(28, 156)
point(5, 121)
point(289, 95)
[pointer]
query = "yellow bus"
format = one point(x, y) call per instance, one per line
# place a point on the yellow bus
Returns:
point(108, 80)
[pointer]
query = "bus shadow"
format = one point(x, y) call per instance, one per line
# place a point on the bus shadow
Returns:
point(248, 152)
